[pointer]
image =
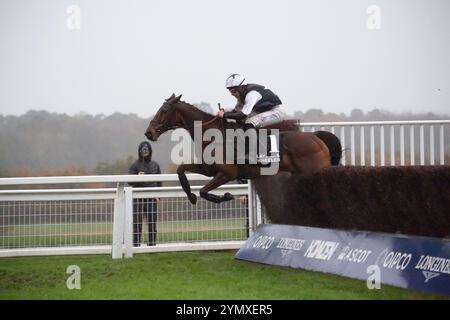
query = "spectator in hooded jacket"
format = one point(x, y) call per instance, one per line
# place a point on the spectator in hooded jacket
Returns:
point(144, 208)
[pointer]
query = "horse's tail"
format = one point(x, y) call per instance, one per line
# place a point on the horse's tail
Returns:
point(334, 145)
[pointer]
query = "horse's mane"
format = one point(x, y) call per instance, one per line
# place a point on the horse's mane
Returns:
point(197, 109)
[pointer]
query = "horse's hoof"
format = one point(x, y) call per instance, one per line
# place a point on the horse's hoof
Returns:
point(228, 196)
point(192, 198)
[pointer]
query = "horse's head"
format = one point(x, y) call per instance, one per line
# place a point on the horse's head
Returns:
point(165, 119)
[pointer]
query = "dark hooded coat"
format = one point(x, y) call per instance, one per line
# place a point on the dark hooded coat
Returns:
point(145, 164)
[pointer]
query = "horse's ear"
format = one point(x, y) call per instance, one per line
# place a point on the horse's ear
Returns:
point(171, 97)
point(178, 98)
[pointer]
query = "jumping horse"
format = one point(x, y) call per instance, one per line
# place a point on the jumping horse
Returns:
point(302, 153)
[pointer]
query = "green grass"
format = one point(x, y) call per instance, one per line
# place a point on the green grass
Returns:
point(182, 275)
point(80, 234)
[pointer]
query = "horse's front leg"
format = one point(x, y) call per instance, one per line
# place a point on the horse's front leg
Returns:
point(195, 168)
point(219, 179)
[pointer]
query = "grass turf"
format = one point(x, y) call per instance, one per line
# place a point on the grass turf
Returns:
point(183, 275)
point(79, 234)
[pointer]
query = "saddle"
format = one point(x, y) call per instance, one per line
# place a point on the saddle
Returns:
point(285, 125)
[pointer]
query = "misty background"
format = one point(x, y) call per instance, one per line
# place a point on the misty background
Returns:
point(79, 86)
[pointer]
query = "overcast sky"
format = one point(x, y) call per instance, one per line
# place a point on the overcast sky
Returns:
point(128, 56)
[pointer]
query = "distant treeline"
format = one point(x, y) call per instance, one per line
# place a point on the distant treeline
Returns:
point(43, 143)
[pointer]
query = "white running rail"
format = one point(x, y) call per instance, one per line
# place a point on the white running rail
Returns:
point(100, 220)
point(392, 143)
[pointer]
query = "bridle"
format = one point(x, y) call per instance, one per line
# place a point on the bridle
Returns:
point(162, 128)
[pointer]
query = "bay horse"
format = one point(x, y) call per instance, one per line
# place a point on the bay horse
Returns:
point(301, 153)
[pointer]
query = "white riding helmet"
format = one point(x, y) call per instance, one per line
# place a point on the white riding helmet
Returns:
point(235, 80)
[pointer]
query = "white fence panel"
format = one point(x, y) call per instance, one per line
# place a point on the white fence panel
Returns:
point(101, 220)
point(377, 149)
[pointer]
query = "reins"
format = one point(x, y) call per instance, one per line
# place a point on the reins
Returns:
point(204, 124)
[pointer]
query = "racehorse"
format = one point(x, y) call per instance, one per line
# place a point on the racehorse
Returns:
point(302, 153)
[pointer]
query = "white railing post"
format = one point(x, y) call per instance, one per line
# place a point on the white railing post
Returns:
point(254, 207)
point(362, 147)
point(431, 144)
point(441, 144)
point(411, 145)
point(128, 230)
point(352, 145)
point(259, 217)
point(118, 222)
point(402, 145)
point(372, 145)
point(251, 209)
point(382, 162)
point(392, 142)
point(343, 145)
point(422, 144)
point(255, 210)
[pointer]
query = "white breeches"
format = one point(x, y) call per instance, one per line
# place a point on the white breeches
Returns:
point(266, 118)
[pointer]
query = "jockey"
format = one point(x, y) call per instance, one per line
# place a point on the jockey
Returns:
point(256, 104)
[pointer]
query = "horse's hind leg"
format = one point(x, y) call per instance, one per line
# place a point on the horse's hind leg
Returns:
point(184, 181)
point(218, 180)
